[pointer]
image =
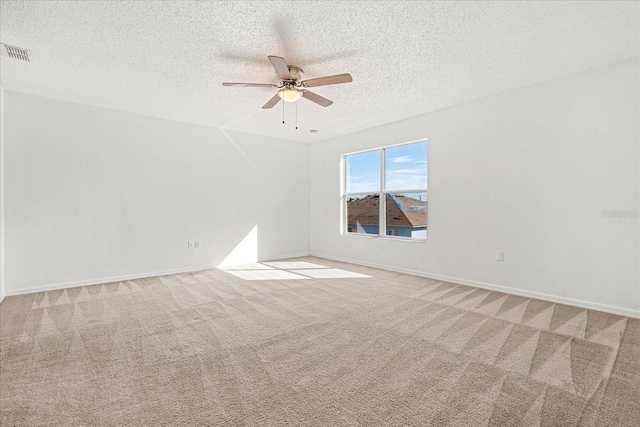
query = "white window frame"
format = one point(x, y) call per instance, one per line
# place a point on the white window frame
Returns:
point(382, 194)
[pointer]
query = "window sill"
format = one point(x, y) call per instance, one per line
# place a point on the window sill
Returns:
point(395, 239)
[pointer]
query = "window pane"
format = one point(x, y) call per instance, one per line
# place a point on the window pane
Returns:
point(406, 167)
point(407, 215)
point(363, 214)
point(363, 172)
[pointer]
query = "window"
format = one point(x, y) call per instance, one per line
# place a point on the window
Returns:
point(385, 192)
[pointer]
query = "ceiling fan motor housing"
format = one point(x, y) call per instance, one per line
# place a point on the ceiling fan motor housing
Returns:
point(296, 73)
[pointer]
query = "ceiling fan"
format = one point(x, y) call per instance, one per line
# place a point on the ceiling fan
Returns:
point(292, 87)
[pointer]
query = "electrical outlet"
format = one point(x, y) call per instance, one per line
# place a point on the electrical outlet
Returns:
point(196, 244)
point(190, 244)
point(499, 256)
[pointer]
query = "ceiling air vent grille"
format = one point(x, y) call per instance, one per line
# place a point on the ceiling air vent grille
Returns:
point(15, 52)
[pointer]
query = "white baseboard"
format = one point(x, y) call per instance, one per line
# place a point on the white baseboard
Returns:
point(298, 255)
point(56, 286)
point(75, 284)
point(621, 311)
point(1, 295)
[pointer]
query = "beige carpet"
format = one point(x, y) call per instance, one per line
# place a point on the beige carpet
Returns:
point(212, 349)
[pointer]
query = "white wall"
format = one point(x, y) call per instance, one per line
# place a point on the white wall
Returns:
point(528, 172)
point(2, 290)
point(94, 194)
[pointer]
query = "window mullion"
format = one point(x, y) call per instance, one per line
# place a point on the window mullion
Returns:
point(409, 190)
point(383, 196)
point(358, 193)
point(343, 202)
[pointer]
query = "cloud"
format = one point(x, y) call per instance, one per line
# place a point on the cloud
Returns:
point(422, 170)
point(407, 178)
point(414, 182)
point(402, 159)
point(363, 187)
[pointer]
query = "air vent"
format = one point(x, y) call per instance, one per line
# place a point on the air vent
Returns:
point(15, 52)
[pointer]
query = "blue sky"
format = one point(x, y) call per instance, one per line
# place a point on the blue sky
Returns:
point(406, 167)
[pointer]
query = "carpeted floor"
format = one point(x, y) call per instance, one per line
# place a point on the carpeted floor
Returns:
point(311, 345)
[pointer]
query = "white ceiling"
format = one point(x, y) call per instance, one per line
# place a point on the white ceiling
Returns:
point(168, 59)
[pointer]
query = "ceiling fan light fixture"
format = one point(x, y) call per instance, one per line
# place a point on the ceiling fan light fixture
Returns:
point(289, 95)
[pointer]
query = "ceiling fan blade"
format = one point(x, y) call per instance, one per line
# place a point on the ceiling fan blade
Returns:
point(329, 80)
point(281, 67)
point(249, 84)
point(272, 102)
point(314, 97)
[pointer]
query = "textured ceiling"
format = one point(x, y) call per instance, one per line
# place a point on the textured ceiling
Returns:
point(168, 59)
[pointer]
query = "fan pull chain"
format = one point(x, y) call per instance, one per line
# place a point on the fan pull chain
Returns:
point(296, 115)
point(282, 112)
